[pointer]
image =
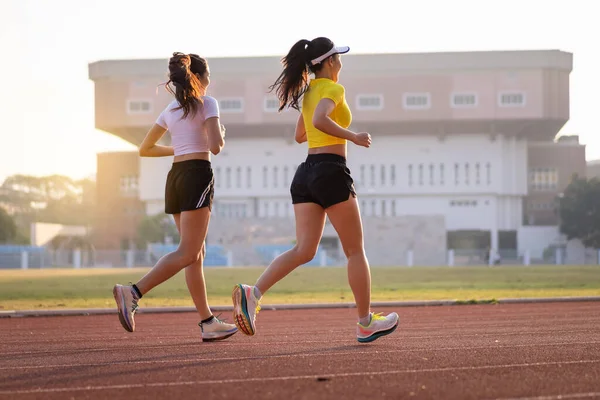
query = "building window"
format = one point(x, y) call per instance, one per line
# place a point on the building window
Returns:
point(218, 176)
point(511, 99)
point(363, 207)
point(228, 177)
point(362, 175)
point(383, 208)
point(416, 101)
point(139, 107)
point(372, 175)
point(541, 206)
point(248, 177)
point(275, 172)
point(128, 185)
point(373, 208)
point(383, 175)
point(467, 173)
point(441, 174)
point(393, 175)
point(463, 100)
point(369, 102)
point(271, 104)
point(410, 174)
point(488, 172)
point(431, 174)
point(477, 174)
point(265, 177)
point(456, 171)
point(420, 174)
point(231, 105)
point(463, 203)
point(543, 179)
point(238, 177)
point(286, 175)
point(393, 206)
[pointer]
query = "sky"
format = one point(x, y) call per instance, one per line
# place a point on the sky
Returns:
point(47, 99)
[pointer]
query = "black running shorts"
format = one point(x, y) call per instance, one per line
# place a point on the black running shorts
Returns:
point(190, 185)
point(323, 179)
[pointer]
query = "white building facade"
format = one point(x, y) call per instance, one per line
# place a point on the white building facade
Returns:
point(450, 136)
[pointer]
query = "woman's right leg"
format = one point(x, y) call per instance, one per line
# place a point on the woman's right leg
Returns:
point(212, 328)
point(310, 221)
point(345, 218)
point(194, 227)
point(194, 278)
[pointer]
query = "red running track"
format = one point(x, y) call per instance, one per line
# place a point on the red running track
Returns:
point(512, 351)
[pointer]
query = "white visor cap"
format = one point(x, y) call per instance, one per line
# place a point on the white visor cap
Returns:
point(334, 50)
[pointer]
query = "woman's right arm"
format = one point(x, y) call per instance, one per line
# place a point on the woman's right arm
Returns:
point(324, 123)
point(215, 135)
point(214, 129)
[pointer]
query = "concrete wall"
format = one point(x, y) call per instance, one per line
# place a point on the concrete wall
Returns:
point(387, 240)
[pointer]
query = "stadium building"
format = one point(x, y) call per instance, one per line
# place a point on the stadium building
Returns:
point(464, 154)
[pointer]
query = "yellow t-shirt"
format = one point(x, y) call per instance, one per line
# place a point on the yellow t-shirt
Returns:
point(323, 88)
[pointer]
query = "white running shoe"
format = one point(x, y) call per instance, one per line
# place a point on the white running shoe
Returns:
point(245, 308)
point(378, 327)
point(127, 305)
point(217, 330)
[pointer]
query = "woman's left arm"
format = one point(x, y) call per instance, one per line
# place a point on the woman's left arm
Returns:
point(300, 135)
point(149, 148)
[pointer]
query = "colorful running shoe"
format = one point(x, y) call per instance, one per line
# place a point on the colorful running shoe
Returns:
point(378, 327)
point(217, 330)
point(127, 305)
point(245, 308)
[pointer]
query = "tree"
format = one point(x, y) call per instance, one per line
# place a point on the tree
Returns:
point(53, 199)
point(153, 229)
point(579, 210)
point(8, 228)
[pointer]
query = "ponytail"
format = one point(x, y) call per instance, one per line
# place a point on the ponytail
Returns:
point(293, 81)
point(187, 90)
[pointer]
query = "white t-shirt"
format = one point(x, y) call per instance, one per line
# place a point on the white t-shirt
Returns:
point(189, 135)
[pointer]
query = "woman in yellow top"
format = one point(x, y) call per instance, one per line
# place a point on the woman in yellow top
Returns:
point(322, 185)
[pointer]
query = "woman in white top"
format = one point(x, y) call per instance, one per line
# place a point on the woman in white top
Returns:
point(193, 121)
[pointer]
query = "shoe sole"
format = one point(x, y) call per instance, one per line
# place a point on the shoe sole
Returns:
point(120, 304)
point(379, 334)
point(240, 311)
point(219, 338)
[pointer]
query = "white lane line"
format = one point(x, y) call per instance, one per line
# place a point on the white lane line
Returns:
point(289, 378)
point(269, 343)
point(299, 355)
point(558, 396)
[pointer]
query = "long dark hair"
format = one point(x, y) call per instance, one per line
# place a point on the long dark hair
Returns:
point(293, 81)
point(187, 85)
point(198, 65)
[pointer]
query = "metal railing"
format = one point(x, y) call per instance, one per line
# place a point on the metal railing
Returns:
point(39, 258)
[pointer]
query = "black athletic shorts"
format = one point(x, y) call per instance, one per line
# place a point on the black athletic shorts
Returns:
point(323, 179)
point(190, 185)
